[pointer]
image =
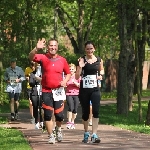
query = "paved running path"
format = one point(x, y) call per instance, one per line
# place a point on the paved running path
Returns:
point(112, 138)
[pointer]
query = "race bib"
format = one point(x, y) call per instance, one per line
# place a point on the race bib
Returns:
point(59, 94)
point(13, 81)
point(89, 81)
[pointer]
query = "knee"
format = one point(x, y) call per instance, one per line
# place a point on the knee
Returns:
point(95, 115)
point(74, 111)
point(85, 117)
point(47, 118)
point(59, 117)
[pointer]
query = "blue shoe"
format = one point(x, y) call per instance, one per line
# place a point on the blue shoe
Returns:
point(95, 138)
point(86, 136)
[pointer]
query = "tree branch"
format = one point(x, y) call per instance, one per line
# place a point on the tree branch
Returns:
point(69, 33)
point(89, 27)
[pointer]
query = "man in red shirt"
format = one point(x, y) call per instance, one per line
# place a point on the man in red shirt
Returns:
point(53, 67)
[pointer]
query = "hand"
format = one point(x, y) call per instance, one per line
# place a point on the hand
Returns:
point(17, 80)
point(81, 62)
point(41, 44)
point(27, 78)
point(99, 77)
point(63, 83)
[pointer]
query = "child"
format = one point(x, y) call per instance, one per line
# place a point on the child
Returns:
point(72, 99)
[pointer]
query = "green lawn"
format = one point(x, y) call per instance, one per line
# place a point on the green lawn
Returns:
point(12, 139)
point(5, 109)
point(108, 116)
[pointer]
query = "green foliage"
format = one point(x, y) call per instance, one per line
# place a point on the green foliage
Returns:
point(12, 139)
point(108, 116)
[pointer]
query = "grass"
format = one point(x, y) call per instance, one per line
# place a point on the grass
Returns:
point(110, 95)
point(108, 116)
point(12, 139)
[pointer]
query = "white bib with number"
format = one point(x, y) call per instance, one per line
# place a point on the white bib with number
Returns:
point(13, 80)
point(89, 81)
point(59, 94)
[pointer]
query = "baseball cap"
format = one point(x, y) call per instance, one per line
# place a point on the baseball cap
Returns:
point(13, 60)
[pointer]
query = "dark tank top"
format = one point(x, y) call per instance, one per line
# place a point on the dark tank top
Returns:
point(90, 69)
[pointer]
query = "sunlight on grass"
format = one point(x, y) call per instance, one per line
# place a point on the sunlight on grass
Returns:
point(12, 139)
point(6, 109)
point(108, 116)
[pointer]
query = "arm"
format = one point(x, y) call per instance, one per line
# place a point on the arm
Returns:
point(32, 53)
point(40, 45)
point(76, 83)
point(78, 72)
point(101, 67)
point(21, 76)
point(39, 79)
point(101, 71)
point(67, 72)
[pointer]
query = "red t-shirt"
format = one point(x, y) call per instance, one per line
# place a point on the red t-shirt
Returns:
point(52, 70)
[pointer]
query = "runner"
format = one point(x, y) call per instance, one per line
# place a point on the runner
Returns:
point(72, 99)
point(53, 85)
point(14, 76)
point(36, 98)
point(28, 70)
point(89, 65)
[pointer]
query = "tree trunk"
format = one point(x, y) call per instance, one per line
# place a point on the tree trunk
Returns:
point(131, 78)
point(122, 92)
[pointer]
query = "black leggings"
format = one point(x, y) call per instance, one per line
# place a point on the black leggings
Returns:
point(85, 95)
point(73, 103)
point(36, 105)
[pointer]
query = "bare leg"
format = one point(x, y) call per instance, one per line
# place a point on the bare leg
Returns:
point(31, 108)
point(49, 126)
point(73, 117)
point(95, 125)
point(53, 119)
point(12, 105)
point(17, 106)
point(85, 124)
point(90, 115)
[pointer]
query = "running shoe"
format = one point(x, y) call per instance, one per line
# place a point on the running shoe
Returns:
point(90, 123)
point(54, 132)
point(86, 136)
point(12, 117)
point(69, 124)
point(16, 116)
point(72, 126)
point(59, 135)
point(95, 138)
point(37, 125)
point(41, 124)
point(51, 139)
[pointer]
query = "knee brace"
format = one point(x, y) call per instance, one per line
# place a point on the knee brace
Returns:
point(47, 118)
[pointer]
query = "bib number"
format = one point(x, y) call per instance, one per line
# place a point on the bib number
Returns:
point(59, 94)
point(13, 81)
point(89, 81)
